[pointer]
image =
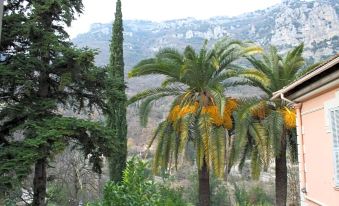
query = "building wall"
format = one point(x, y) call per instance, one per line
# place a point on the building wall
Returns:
point(317, 155)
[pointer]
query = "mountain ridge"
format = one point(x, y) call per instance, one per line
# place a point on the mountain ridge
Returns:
point(316, 23)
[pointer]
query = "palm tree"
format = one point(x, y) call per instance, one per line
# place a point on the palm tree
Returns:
point(265, 126)
point(200, 113)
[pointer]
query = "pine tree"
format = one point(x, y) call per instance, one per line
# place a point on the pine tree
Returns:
point(45, 76)
point(116, 118)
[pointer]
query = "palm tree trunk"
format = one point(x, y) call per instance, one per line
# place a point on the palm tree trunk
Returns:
point(204, 185)
point(281, 175)
point(39, 182)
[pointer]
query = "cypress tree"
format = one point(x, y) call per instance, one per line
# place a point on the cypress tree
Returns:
point(116, 118)
point(45, 76)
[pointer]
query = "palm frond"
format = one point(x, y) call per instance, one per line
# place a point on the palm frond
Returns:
point(170, 80)
point(256, 76)
point(205, 134)
point(245, 153)
point(146, 106)
point(222, 76)
point(274, 124)
point(167, 149)
point(255, 164)
point(158, 132)
point(260, 65)
point(158, 158)
point(219, 98)
point(263, 145)
point(198, 142)
point(218, 149)
point(189, 53)
point(293, 62)
point(252, 50)
point(161, 91)
point(170, 53)
point(163, 67)
point(308, 69)
point(250, 136)
point(185, 125)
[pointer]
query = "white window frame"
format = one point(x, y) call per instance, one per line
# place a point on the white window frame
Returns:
point(333, 106)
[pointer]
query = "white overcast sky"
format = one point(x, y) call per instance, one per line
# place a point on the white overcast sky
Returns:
point(102, 11)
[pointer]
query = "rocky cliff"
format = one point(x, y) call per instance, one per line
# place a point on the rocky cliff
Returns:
point(316, 23)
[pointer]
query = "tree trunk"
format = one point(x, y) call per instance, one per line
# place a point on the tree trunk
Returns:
point(40, 172)
point(204, 185)
point(39, 182)
point(281, 175)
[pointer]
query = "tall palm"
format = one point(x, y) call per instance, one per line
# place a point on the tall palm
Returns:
point(200, 112)
point(265, 126)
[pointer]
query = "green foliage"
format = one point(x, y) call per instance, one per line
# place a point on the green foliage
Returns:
point(56, 195)
point(18, 157)
point(252, 139)
point(255, 196)
point(220, 196)
point(9, 202)
point(11, 198)
point(45, 78)
point(116, 115)
point(139, 189)
point(260, 135)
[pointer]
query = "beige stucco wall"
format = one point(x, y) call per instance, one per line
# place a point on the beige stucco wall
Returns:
point(316, 165)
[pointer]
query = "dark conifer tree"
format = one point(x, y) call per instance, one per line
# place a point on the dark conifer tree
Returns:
point(116, 118)
point(44, 76)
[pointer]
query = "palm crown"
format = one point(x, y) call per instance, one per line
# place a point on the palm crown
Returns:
point(200, 112)
point(271, 73)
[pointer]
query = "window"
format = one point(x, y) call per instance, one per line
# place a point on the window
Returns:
point(332, 127)
point(334, 122)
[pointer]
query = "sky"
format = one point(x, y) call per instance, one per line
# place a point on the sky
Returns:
point(102, 11)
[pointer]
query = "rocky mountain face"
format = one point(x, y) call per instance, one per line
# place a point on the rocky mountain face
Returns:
point(316, 23)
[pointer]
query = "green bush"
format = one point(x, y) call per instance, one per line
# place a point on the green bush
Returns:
point(9, 202)
point(139, 189)
point(255, 196)
point(11, 197)
point(220, 196)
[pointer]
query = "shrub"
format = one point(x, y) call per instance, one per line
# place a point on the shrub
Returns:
point(254, 196)
point(139, 189)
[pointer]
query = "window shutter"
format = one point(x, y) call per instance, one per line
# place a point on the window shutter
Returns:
point(334, 121)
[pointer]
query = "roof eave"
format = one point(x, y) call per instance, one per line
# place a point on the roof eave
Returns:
point(312, 74)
